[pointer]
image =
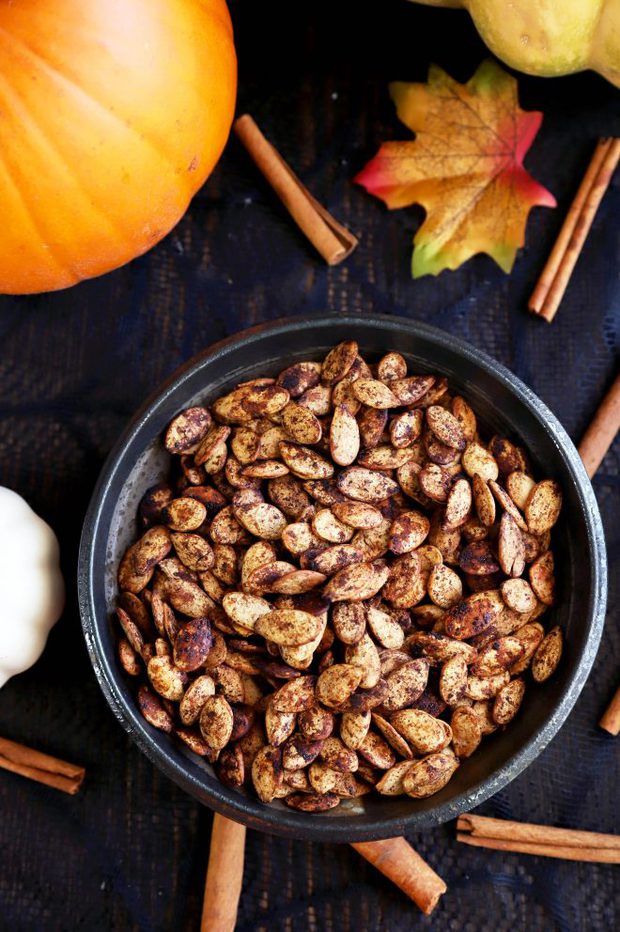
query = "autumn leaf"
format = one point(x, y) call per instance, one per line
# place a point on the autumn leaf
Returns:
point(465, 167)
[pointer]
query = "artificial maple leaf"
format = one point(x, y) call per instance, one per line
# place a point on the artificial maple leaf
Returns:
point(465, 167)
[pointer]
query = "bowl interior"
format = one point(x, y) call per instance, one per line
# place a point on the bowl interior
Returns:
point(502, 404)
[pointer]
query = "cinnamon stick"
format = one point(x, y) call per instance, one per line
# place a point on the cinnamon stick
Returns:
point(556, 275)
point(601, 433)
point(611, 719)
point(224, 876)
point(544, 840)
point(330, 238)
point(17, 758)
point(398, 861)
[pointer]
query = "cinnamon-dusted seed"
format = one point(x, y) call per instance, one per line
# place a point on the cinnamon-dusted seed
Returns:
point(478, 559)
point(299, 377)
point(298, 582)
point(245, 443)
point(507, 504)
point(195, 743)
point(264, 577)
point(296, 695)
point(225, 567)
point(384, 457)
point(529, 635)
point(466, 731)
point(405, 428)
point(354, 728)
point(430, 774)
point(228, 408)
point(364, 656)
point(408, 531)
point(298, 780)
point(453, 680)
point(188, 598)
point(472, 615)
point(478, 461)
point(266, 469)
point(231, 766)
point(372, 422)
point(391, 659)
point(406, 684)
point(407, 581)
point(229, 684)
point(445, 588)
point(287, 493)
point(194, 698)
point(233, 478)
point(324, 491)
point(349, 621)
point(186, 430)
point(305, 462)
point(374, 394)
point(510, 549)
point(437, 452)
point(356, 583)
point(508, 701)
point(335, 685)
point(151, 549)
point(327, 526)
point(193, 550)
point(152, 502)
point(408, 477)
point(519, 486)
point(427, 616)
point(543, 506)
point(423, 732)
point(435, 482)
point(483, 500)
point(377, 752)
point(262, 520)
point(209, 448)
point(483, 710)
point(392, 736)
point(264, 400)
point(312, 802)
point(498, 656)
point(445, 427)
point(336, 755)
point(391, 366)
point(391, 783)
point(216, 721)
point(458, 505)
point(166, 679)
point(316, 723)
point(192, 644)
point(289, 627)
point(245, 609)
point(507, 455)
point(278, 725)
point(317, 399)
point(344, 436)
point(330, 560)
point(298, 753)
point(299, 537)
point(226, 529)
point(128, 658)
point(153, 710)
point(365, 485)
point(364, 699)
point(412, 389)
point(542, 578)
point(548, 655)
point(303, 426)
point(486, 687)
point(465, 416)
point(267, 776)
point(129, 580)
point(518, 595)
point(384, 629)
point(338, 361)
point(358, 515)
point(131, 631)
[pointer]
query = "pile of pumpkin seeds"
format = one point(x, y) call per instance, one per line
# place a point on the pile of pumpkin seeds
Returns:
point(341, 588)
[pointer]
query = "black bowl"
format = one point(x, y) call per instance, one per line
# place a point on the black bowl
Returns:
point(504, 404)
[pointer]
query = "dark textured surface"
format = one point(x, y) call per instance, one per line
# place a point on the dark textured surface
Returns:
point(130, 851)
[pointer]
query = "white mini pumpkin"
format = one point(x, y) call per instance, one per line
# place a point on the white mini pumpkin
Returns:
point(32, 591)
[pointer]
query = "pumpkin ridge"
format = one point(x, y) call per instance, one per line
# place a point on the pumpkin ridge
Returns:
point(56, 74)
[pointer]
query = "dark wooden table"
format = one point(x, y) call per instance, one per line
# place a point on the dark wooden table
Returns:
point(130, 851)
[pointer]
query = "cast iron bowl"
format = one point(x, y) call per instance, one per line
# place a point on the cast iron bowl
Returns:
point(504, 404)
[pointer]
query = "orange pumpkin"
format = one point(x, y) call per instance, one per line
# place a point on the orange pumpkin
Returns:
point(112, 115)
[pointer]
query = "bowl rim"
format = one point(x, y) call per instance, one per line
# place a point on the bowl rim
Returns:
point(285, 821)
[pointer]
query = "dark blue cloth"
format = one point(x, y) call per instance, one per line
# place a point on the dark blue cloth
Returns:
point(130, 851)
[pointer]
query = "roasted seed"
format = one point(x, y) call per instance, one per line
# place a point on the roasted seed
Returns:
point(548, 655)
